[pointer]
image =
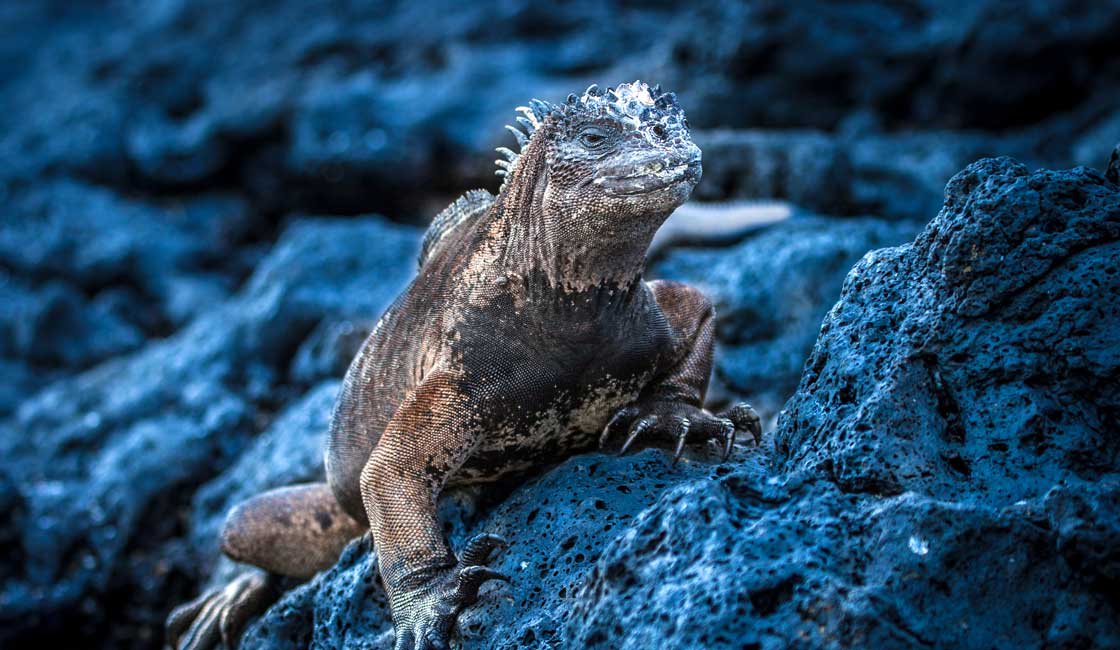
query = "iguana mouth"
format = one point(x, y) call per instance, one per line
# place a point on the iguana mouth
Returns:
point(646, 177)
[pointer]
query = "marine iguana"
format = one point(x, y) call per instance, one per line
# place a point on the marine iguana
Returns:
point(528, 335)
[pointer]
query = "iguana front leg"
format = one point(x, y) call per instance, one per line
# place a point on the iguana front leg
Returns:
point(429, 437)
point(672, 406)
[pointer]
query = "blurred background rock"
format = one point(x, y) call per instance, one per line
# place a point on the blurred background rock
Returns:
point(207, 204)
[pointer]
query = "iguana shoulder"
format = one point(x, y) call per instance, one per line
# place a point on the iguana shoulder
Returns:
point(464, 210)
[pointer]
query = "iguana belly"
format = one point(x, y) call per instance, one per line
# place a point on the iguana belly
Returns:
point(560, 366)
point(532, 437)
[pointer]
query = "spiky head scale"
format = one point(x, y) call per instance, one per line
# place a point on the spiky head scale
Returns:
point(636, 105)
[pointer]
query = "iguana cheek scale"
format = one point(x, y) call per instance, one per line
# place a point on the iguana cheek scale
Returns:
point(528, 335)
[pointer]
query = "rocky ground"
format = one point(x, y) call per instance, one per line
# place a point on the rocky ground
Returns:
point(189, 256)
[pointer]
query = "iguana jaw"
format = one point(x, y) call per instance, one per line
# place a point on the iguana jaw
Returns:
point(649, 176)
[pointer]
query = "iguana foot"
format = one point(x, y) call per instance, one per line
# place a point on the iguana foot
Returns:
point(680, 422)
point(424, 615)
point(219, 616)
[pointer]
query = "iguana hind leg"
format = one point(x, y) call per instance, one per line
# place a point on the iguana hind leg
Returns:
point(293, 531)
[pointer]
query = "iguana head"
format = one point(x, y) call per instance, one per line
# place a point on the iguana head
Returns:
point(611, 155)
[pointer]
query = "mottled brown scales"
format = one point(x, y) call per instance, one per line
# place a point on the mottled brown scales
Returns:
point(528, 335)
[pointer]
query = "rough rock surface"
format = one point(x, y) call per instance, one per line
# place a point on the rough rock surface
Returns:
point(854, 171)
point(996, 328)
point(353, 108)
point(771, 292)
point(87, 274)
point(290, 451)
point(188, 131)
point(945, 474)
point(557, 526)
point(105, 462)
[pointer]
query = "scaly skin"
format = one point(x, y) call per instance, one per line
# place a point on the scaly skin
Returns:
point(527, 336)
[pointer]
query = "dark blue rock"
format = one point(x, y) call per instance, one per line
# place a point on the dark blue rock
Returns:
point(306, 109)
point(153, 338)
point(91, 236)
point(771, 292)
point(12, 520)
point(54, 325)
point(290, 451)
point(926, 488)
point(808, 168)
point(20, 380)
point(776, 562)
point(913, 64)
point(329, 349)
point(89, 274)
point(106, 460)
point(1113, 170)
point(996, 331)
point(858, 171)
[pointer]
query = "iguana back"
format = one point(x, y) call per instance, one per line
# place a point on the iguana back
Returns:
point(464, 210)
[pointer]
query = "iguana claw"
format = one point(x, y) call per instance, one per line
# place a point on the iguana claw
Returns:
point(624, 414)
point(471, 579)
point(478, 548)
point(744, 417)
point(638, 428)
point(678, 422)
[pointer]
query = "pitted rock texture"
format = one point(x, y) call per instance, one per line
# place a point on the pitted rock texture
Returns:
point(355, 109)
point(88, 274)
point(557, 526)
point(187, 133)
point(778, 562)
point(979, 362)
point(101, 468)
point(771, 292)
point(290, 451)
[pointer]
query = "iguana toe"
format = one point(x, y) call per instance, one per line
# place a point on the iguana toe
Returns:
point(745, 419)
point(427, 613)
point(477, 550)
point(471, 578)
point(219, 616)
point(679, 430)
point(620, 419)
point(639, 427)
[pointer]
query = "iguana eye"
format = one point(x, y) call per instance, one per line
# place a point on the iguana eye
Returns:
point(592, 138)
point(659, 130)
